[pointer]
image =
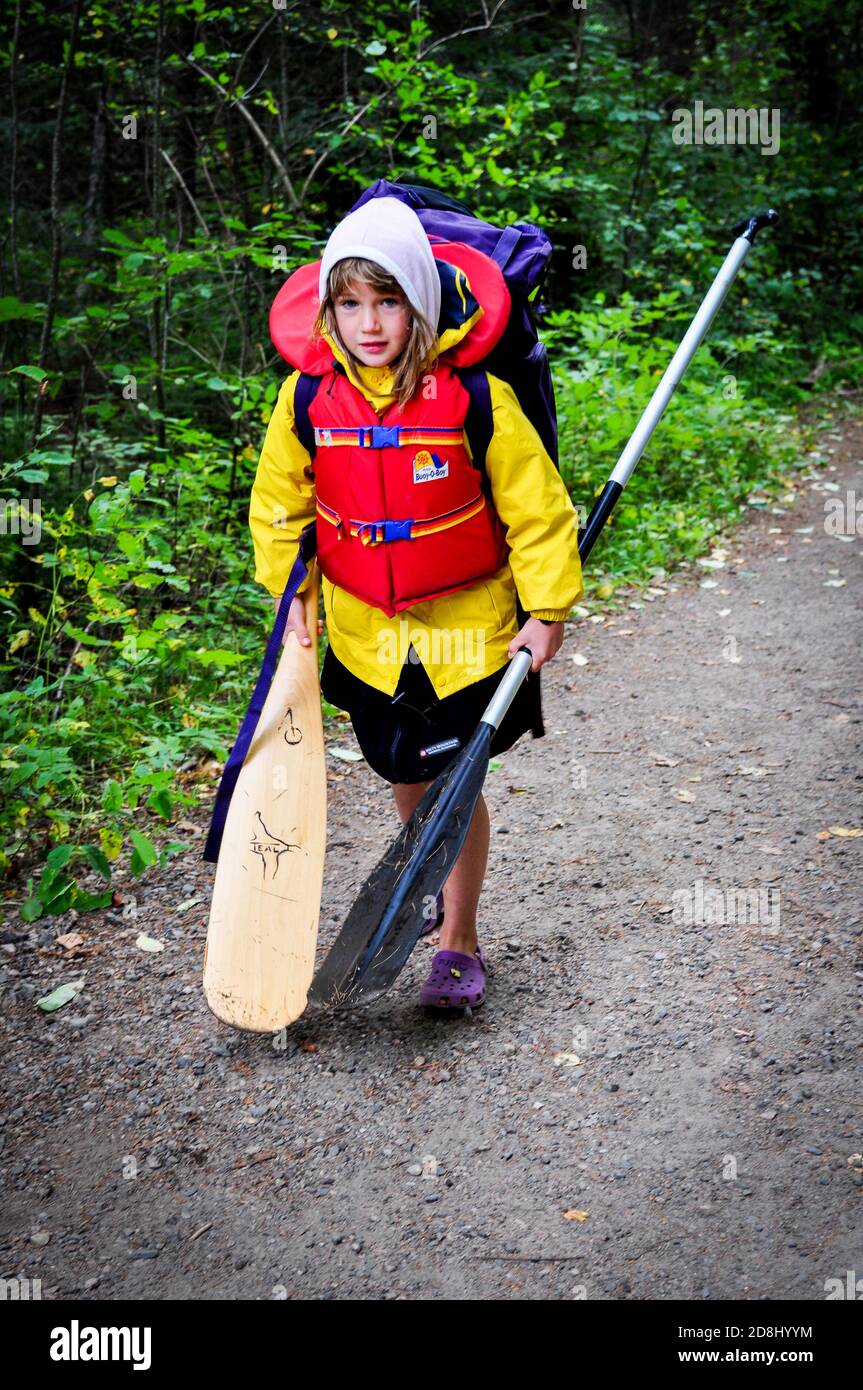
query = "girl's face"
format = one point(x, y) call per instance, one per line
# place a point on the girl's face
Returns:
point(373, 325)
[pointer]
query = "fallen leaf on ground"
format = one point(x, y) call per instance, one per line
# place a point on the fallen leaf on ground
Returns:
point(850, 832)
point(579, 659)
point(572, 1215)
point(60, 996)
point(70, 941)
point(149, 943)
point(348, 755)
point(683, 794)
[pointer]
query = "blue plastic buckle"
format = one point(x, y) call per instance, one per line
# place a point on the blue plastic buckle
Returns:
point(386, 531)
point(381, 436)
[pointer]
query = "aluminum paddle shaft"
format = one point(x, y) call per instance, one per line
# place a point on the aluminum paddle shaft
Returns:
point(744, 235)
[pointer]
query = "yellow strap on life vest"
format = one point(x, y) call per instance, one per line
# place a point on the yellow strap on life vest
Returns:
point(364, 530)
point(397, 435)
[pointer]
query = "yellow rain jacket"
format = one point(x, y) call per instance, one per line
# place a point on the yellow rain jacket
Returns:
point(543, 565)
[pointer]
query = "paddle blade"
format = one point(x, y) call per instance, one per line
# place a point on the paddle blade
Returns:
point(384, 924)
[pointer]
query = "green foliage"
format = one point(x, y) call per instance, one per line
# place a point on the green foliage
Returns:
point(714, 446)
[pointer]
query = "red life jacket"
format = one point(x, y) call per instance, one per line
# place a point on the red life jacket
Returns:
point(401, 514)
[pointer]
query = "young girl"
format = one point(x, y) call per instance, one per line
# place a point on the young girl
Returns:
point(421, 625)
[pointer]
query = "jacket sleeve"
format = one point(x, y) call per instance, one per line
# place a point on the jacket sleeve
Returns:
point(536, 509)
point(283, 496)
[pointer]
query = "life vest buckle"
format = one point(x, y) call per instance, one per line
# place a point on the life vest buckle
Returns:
point(389, 531)
point(379, 436)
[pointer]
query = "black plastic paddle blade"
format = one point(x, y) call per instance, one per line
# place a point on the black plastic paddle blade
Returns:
point(384, 924)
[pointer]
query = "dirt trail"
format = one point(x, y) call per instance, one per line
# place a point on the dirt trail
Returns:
point(692, 1086)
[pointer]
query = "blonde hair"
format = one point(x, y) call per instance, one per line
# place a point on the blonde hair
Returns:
point(417, 354)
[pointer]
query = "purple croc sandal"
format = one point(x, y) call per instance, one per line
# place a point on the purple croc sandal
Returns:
point(456, 981)
point(434, 923)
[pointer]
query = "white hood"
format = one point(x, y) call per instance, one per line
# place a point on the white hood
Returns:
point(388, 232)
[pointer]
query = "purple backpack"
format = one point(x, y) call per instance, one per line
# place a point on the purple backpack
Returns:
point(519, 358)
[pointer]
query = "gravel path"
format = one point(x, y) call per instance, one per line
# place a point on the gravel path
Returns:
point(650, 1105)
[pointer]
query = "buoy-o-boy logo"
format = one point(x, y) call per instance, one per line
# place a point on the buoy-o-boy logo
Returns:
point(428, 467)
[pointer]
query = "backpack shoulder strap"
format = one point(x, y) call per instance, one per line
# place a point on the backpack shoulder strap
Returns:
point(479, 423)
point(304, 393)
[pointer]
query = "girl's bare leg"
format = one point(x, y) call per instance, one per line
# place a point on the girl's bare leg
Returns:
point(464, 885)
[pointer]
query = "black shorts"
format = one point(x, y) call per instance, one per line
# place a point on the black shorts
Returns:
point(392, 729)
